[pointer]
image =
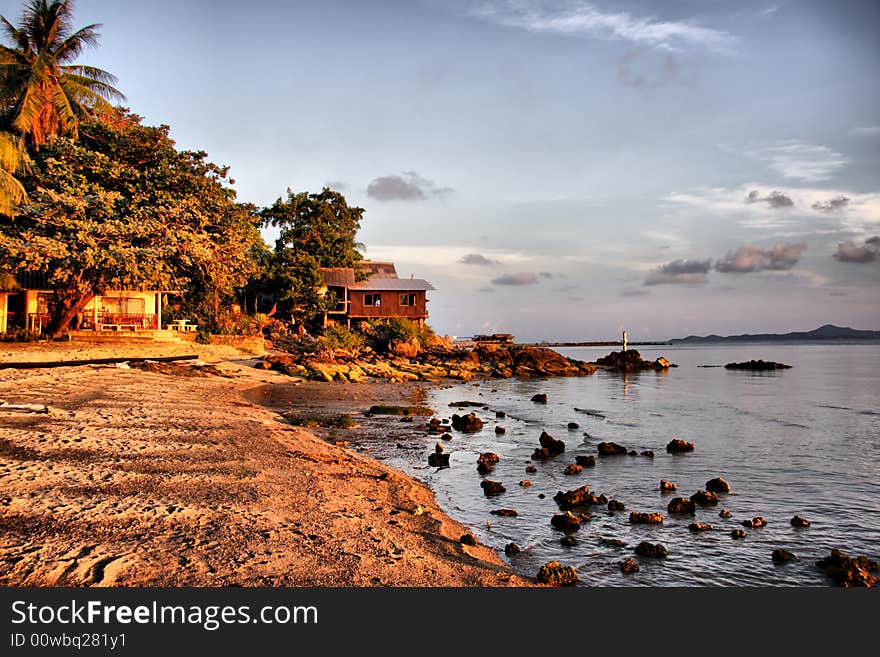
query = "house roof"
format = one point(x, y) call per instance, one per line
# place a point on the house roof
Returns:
point(337, 276)
point(383, 269)
point(393, 284)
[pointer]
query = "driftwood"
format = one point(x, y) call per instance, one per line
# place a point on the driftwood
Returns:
point(92, 361)
point(23, 408)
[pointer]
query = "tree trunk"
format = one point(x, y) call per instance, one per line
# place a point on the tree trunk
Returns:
point(66, 308)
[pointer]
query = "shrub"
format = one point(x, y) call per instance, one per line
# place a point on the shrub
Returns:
point(340, 338)
point(382, 333)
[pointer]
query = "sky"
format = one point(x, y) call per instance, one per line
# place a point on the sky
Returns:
point(557, 169)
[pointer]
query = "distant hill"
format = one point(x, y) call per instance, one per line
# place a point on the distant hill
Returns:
point(827, 332)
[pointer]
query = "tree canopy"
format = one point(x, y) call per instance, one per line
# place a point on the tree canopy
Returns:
point(122, 208)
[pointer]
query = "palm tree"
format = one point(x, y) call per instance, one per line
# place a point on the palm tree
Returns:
point(13, 160)
point(42, 94)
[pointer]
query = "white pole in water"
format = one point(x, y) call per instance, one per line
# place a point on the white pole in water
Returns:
point(624, 340)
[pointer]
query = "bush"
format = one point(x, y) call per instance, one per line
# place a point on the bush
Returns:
point(203, 336)
point(382, 333)
point(340, 338)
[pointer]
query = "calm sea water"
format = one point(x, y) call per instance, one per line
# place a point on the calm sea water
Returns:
point(801, 441)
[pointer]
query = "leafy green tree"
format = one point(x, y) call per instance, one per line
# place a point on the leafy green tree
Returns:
point(316, 230)
point(13, 161)
point(122, 208)
point(42, 94)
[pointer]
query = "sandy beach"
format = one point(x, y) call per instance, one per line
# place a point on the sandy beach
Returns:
point(177, 478)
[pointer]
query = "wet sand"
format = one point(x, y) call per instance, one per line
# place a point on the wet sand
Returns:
point(139, 478)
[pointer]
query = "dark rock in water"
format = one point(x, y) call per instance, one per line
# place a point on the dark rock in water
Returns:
point(525, 483)
point(467, 539)
point(499, 430)
point(504, 513)
point(491, 488)
point(500, 414)
point(654, 518)
point(531, 469)
point(614, 505)
point(678, 446)
point(629, 566)
point(782, 556)
point(568, 540)
point(633, 452)
point(585, 461)
point(757, 366)
point(849, 571)
point(574, 498)
point(646, 549)
point(438, 460)
point(567, 522)
point(756, 522)
point(681, 505)
point(469, 423)
point(541, 454)
point(610, 449)
point(540, 398)
point(700, 526)
point(465, 404)
point(554, 573)
point(511, 549)
point(572, 469)
point(446, 436)
point(797, 521)
point(717, 485)
point(615, 542)
point(648, 452)
point(667, 486)
point(630, 361)
point(573, 426)
point(541, 496)
point(486, 462)
point(704, 498)
point(662, 364)
point(738, 533)
point(724, 513)
point(549, 443)
point(406, 418)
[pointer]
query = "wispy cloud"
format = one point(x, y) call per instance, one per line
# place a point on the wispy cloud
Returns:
point(409, 186)
point(774, 199)
point(751, 258)
point(849, 251)
point(518, 279)
point(836, 203)
point(799, 160)
point(680, 272)
point(477, 259)
point(865, 131)
point(584, 19)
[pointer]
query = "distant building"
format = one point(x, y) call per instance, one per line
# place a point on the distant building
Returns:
point(381, 296)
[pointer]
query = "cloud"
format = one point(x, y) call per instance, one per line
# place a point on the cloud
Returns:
point(583, 19)
point(409, 186)
point(799, 160)
point(750, 258)
point(519, 279)
point(476, 259)
point(830, 205)
point(336, 185)
point(774, 199)
point(680, 272)
point(866, 131)
point(849, 251)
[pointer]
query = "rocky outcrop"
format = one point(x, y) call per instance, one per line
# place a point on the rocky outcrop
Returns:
point(724, 513)
point(647, 452)
point(681, 505)
point(438, 460)
point(615, 505)
point(540, 398)
point(499, 430)
point(578, 497)
point(757, 366)
point(525, 483)
point(631, 361)
point(486, 462)
point(678, 446)
point(849, 571)
point(704, 498)
point(654, 518)
point(610, 449)
point(512, 549)
point(572, 469)
point(756, 522)
point(629, 566)
point(531, 469)
point(467, 539)
point(797, 521)
point(549, 447)
point(646, 549)
point(668, 486)
point(504, 513)
point(782, 556)
point(718, 485)
point(573, 426)
point(700, 527)
point(469, 423)
point(567, 522)
point(738, 533)
point(492, 488)
point(554, 573)
point(585, 461)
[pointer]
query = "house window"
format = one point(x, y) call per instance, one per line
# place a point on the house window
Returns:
point(408, 299)
point(373, 300)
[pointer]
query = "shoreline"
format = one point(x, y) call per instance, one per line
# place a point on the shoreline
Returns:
point(144, 478)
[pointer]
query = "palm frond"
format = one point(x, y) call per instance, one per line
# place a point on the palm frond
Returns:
point(12, 194)
point(72, 46)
